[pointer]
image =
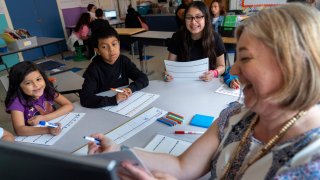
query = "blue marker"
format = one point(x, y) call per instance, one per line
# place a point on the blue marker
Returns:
point(97, 141)
point(47, 124)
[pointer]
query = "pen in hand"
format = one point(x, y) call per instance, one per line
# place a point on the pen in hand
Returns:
point(97, 141)
point(117, 90)
point(47, 124)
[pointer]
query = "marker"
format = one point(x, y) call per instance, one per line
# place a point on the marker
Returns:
point(97, 141)
point(47, 124)
point(117, 90)
point(188, 132)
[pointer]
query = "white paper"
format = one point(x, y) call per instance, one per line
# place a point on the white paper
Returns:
point(191, 70)
point(263, 2)
point(67, 122)
point(165, 144)
point(130, 128)
point(134, 104)
point(224, 89)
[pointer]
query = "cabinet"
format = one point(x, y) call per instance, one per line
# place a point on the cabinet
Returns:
point(41, 18)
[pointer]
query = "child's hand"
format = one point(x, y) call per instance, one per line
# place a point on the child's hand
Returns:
point(235, 84)
point(106, 145)
point(121, 97)
point(35, 120)
point(55, 131)
point(167, 77)
point(128, 91)
point(207, 76)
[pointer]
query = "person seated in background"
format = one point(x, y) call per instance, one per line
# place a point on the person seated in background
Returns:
point(217, 12)
point(5, 135)
point(180, 12)
point(109, 70)
point(276, 134)
point(92, 11)
point(134, 20)
point(99, 23)
point(197, 40)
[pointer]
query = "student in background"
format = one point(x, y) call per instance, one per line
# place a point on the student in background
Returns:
point(133, 20)
point(180, 12)
point(217, 12)
point(99, 23)
point(92, 11)
point(5, 135)
point(109, 70)
point(30, 99)
point(276, 133)
point(197, 40)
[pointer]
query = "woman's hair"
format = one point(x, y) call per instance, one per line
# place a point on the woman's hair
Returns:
point(104, 34)
point(208, 40)
point(83, 20)
point(221, 7)
point(17, 74)
point(292, 32)
point(90, 6)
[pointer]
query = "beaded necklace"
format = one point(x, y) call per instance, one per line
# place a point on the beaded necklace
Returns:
point(267, 147)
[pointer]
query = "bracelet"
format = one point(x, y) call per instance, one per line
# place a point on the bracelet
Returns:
point(215, 73)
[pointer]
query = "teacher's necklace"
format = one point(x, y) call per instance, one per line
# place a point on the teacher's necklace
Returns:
point(267, 147)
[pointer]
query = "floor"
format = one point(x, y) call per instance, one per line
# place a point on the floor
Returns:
point(155, 69)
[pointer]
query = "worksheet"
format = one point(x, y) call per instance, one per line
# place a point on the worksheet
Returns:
point(191, 70)
point(134, 104)
point(224, 89)
point(67, 122)
point(165, 144)
point(130, 128)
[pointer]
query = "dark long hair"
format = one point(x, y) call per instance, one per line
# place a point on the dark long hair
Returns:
point(208, 40)
point(221, 8)
point(17, 74)
point(83, 20)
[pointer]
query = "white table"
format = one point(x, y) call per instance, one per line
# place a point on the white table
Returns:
point(182, 97)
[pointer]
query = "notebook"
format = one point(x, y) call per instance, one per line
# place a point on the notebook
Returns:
point(201, 120)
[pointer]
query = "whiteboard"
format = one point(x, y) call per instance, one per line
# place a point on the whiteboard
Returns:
point(246, 3)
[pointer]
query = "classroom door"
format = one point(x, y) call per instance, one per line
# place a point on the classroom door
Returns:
point(41, 18)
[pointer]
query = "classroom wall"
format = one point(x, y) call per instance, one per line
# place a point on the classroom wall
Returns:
point(5, 22)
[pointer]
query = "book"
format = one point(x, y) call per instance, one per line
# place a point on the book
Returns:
point(201, 120)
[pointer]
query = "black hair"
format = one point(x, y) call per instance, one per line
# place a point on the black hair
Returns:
point(221, 8)
point(83, 20)
point(17, 74)
point(103, 34)
point(208, 40)
point(90, 6)
point(99, 13)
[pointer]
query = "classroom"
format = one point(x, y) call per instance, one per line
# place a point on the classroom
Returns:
point(116, 89)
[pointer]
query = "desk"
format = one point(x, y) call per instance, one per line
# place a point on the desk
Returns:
point(42, 41)
point(116, 22)
point(229, 40)
point(67, 82)
point(129, 31)
point(183, 97)
point(153, 38)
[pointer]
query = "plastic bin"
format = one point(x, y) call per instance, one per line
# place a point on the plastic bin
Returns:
point(143, 10)
point(23, 43)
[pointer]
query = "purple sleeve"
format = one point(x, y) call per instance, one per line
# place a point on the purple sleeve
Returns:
point(15, 105)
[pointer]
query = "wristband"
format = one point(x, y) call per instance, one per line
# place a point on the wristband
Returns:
point(215, 73)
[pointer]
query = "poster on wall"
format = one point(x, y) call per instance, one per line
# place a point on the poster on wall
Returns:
point(249, 3)
point(65, 4)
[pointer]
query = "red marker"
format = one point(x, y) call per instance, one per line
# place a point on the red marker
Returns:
point(188, 132)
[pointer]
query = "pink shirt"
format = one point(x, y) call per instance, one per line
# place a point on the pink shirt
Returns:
point(83, 32)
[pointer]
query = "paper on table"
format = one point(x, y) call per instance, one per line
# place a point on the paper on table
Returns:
point(165, 144)
point(224, 89)
point(133, 104)
point(191, 70)
point(67, 122)
point(130, 128)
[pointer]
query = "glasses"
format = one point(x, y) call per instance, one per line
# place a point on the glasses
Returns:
point(196, 18)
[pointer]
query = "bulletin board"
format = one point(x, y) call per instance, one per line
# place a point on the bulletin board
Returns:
point(250, 3)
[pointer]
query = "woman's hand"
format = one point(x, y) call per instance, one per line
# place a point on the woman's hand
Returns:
point(106, 145)
point(235, 84)
point(55, 131)
point(134, 172)
point(167, 77)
